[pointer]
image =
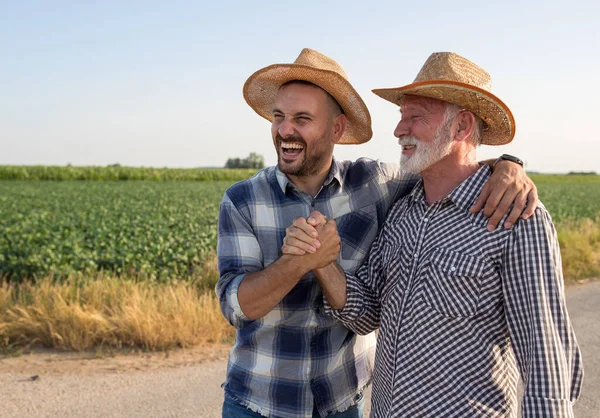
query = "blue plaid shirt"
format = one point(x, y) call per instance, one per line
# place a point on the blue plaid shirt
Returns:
point(297, 357)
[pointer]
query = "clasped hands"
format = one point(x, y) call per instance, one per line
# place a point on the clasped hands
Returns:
point(315, 239)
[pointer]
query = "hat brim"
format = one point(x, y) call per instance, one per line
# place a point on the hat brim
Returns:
point(496, 115)
point(261, 88)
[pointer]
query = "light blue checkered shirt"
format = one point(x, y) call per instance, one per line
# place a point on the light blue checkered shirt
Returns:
point(297, 357)
point(463, 313)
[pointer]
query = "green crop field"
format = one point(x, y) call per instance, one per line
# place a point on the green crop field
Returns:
point(117, 172)
point(569, 197)
point(160, 230)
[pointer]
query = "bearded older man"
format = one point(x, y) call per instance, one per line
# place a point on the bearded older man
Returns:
point(462, 312)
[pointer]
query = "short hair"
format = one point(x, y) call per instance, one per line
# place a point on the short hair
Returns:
point(451, 112)
point(335, 107)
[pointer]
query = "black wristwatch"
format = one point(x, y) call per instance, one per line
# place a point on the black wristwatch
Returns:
point(508, 157)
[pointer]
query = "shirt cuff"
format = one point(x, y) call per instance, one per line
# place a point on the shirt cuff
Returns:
point(546, 407)
point(232, 295)
point(353, 307)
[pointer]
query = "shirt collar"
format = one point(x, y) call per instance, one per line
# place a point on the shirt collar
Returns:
point(465, 194)
point(417, 194)
point(335, 173)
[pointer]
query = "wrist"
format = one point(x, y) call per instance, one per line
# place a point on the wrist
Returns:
point(326, 270)
point(296, 265)
point(508, 157)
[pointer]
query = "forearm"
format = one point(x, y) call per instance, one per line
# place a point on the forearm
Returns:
point(261, 291)
point(333, 282)
point(348, 299)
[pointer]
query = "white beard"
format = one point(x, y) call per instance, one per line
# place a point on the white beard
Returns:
point(425, 154)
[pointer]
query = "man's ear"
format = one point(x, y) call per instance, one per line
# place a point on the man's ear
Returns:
point(465, 123)
point(338, 127)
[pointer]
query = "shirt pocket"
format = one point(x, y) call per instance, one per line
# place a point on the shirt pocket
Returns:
point(452, 285)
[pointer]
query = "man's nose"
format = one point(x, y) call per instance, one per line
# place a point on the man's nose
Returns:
point(286, 128)
point(401, 129)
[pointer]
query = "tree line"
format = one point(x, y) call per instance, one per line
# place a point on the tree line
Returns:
point(253, 160)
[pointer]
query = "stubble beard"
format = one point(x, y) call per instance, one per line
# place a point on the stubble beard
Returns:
point(308, 165)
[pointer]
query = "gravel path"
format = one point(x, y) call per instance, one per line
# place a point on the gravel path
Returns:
point(185, 384)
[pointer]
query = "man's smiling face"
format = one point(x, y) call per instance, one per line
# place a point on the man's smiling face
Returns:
point(301, 129)
point(422, 133)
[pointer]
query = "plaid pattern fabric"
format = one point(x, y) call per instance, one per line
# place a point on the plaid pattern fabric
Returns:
point(463, 312)
point(297, 357)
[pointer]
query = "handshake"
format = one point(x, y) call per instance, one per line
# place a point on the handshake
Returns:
point(315, 239)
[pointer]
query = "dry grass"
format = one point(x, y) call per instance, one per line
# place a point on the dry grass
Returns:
point(106, 311)
point(80, 314)
point(580, 249)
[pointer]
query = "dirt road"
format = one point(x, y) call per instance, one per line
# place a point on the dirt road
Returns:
point(187, 383)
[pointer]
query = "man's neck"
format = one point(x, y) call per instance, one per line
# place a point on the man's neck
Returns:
point(310, 184)
point(444, 176)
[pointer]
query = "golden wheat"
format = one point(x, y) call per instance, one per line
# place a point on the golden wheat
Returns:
point(78, 314)
point(580, 248)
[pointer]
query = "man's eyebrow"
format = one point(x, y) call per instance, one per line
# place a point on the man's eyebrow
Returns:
point(304, 114)
point(301, 113)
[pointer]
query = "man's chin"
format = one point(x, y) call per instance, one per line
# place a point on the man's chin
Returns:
point(292, 168)
point(409, 170)
point(418, 165)
point(408, 166)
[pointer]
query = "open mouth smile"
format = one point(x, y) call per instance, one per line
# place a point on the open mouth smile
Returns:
point(408, 148)
point(291, 149)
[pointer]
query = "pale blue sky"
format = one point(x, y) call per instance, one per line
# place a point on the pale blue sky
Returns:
point(159, 83)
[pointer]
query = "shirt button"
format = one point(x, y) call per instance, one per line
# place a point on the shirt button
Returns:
point(425, 219)
point(452, 268)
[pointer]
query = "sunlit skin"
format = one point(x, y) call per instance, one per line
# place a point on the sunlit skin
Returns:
point(305, 130)
point(418, 155)
point(421, 118)
point(422, 133)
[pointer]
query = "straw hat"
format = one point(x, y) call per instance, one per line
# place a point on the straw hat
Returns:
point(261, 89)
point(449, 77)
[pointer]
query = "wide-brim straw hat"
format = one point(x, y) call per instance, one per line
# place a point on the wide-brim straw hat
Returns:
point(261, 88)
point(452, 78)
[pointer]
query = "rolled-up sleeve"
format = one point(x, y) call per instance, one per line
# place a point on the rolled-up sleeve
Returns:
point(544, 342)
point(238, 254)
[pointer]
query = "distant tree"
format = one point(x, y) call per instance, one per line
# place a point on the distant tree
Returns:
point(232, 163)
point(582, 173)
point(253, 160)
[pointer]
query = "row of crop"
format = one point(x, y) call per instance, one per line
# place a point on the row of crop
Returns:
point(156, 230)
point(112, 173)
point(569, 197)
point(118, 172)
point(161, 230)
